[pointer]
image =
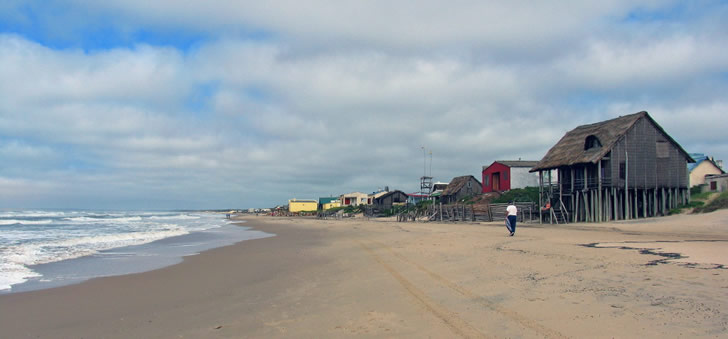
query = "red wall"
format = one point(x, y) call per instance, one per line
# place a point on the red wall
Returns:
point(503, 171)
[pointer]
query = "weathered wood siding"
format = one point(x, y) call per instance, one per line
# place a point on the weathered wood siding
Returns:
point(638, 151)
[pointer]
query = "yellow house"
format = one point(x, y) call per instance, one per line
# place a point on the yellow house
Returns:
point(703, 166)
point(332, 204)
point(296, 205)
point(329, 203)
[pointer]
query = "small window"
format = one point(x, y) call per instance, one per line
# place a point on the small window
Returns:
point(622, 170)
point(592, 142)
point(713, 185)
point(663, 149)
point(505, 175)
point(486, 180)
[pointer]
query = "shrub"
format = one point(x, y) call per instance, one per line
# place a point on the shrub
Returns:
point(519, 194)
point(720, 202)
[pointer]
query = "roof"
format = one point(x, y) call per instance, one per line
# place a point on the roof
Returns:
point(457, 183)
point(699, 158)
point(326, 200)
point(386, 194)
point(354, 194)
point(570, 149)
point(302, 200)
point(515, 163)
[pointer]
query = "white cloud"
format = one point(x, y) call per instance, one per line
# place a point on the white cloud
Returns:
point(340, 105)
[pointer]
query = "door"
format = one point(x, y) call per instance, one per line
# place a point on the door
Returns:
point(496, 181)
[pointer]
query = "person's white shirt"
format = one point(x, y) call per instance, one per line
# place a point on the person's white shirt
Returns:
point(512, 210)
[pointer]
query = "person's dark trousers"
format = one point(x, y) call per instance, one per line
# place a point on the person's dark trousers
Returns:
point(512, 221)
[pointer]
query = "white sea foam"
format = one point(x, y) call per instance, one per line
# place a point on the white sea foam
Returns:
point(174, 217)
point(76, 234)
point(24, 222)
point(96, 219)
point(32, 214)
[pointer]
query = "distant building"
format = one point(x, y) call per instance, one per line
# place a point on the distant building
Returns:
point(371, 197)
point(459, 188)
point(703, 166)
point(390, 199)
point(326, 203)
point(354, 199)
point(623, 168)
point(504, 175)
point(296, 205)
point(438, 187)
point(716, 183)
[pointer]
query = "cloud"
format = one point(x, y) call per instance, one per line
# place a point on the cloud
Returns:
point(345, 104)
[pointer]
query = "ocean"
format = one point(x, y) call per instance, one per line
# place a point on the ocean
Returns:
point(42, 249)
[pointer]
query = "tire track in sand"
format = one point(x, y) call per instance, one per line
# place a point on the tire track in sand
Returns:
point(523, 321)
point(455, 323)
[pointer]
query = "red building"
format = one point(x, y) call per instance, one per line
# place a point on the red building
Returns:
point(504, 175)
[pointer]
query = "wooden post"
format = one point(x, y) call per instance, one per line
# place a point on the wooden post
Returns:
point(540, 196)
point(599, 191)
point(573, 197)
point(615, 215)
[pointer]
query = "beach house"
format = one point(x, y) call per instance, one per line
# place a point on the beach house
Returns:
point(716, 183)
point(702, 166)
point(354, 199)
point(390, 199)
point(460, 188)
point(302, 205)
point(623, 168)
point(326, 203)
point(504, 175)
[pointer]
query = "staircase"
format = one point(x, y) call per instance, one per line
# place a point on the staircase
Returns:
point(558, 211)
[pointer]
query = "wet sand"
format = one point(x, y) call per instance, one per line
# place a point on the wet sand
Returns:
point(662, 277)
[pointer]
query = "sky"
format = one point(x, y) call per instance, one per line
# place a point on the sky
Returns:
point(137, 104)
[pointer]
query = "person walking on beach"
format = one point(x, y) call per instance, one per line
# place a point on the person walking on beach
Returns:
point(511, 217)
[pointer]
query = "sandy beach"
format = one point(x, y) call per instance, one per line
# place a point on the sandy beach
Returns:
point(662, 277)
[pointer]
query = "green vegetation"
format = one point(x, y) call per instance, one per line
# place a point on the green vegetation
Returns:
point(519, 195)
point(695, 190)
point(719, 202)
point(700, 196)
point(679, 209)
point(702, 203)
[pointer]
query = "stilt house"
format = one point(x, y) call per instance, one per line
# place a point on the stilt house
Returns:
point(618, 169)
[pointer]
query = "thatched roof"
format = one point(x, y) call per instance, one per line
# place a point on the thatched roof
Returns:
point(457, 183)
point(570, 149)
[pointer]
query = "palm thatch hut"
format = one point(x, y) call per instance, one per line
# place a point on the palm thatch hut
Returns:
point(623, 168)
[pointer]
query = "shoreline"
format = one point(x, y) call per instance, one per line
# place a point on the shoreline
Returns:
point(333, 278)
point(134, 258)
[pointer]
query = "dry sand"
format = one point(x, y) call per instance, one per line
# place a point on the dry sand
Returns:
point(359, 278)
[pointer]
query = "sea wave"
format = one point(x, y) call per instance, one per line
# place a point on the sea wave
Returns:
point(174, 217)
point(16, 259)
point(103, 219)
point(24, 222)
point(33, 214)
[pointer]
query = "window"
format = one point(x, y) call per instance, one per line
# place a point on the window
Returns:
point(713, 185)
point(486, 181)
point(663, 149)
point(505, 175)
point(622, 170)
point(592, 142)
